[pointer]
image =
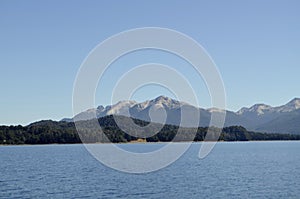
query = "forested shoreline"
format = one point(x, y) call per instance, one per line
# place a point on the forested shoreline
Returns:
point(50, 132)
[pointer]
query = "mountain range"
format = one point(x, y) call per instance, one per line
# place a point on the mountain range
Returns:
point(259, 117)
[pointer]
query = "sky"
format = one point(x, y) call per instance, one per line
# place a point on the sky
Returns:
point(255, 45)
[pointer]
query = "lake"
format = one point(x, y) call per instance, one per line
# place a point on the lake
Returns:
point(231, 170)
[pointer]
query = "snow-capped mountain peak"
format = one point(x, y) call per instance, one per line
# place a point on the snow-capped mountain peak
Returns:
point(294, 103)
point(261, 109)
point(132, 108)
point(163, 100)
point(290, 106)
point(151, 110)
point(258, 109)
point(120, 108)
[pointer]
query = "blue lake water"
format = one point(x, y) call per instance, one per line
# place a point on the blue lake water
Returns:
point(231, 170)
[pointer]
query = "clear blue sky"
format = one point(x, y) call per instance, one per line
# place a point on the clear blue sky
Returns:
point(255, 44)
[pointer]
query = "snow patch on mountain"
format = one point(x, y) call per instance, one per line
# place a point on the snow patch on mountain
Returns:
point(261, 109)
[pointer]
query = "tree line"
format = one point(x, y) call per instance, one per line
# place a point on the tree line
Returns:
point(49, 132)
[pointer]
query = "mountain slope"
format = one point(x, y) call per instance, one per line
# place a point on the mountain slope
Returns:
point(287, 122)
point(162, 109)
point(268, 118)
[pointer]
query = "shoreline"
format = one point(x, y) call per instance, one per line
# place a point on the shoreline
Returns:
point(136, 142)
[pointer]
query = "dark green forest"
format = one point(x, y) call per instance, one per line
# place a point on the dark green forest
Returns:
point(50, 132)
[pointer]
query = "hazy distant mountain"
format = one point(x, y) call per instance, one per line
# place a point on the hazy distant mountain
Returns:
point(260, 117)
point(262, 109)
point(160, 110)
point(287, 122)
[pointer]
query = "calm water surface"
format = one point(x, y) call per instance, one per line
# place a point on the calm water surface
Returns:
point(232, 170)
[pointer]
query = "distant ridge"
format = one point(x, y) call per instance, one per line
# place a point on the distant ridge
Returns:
point(261, 117)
